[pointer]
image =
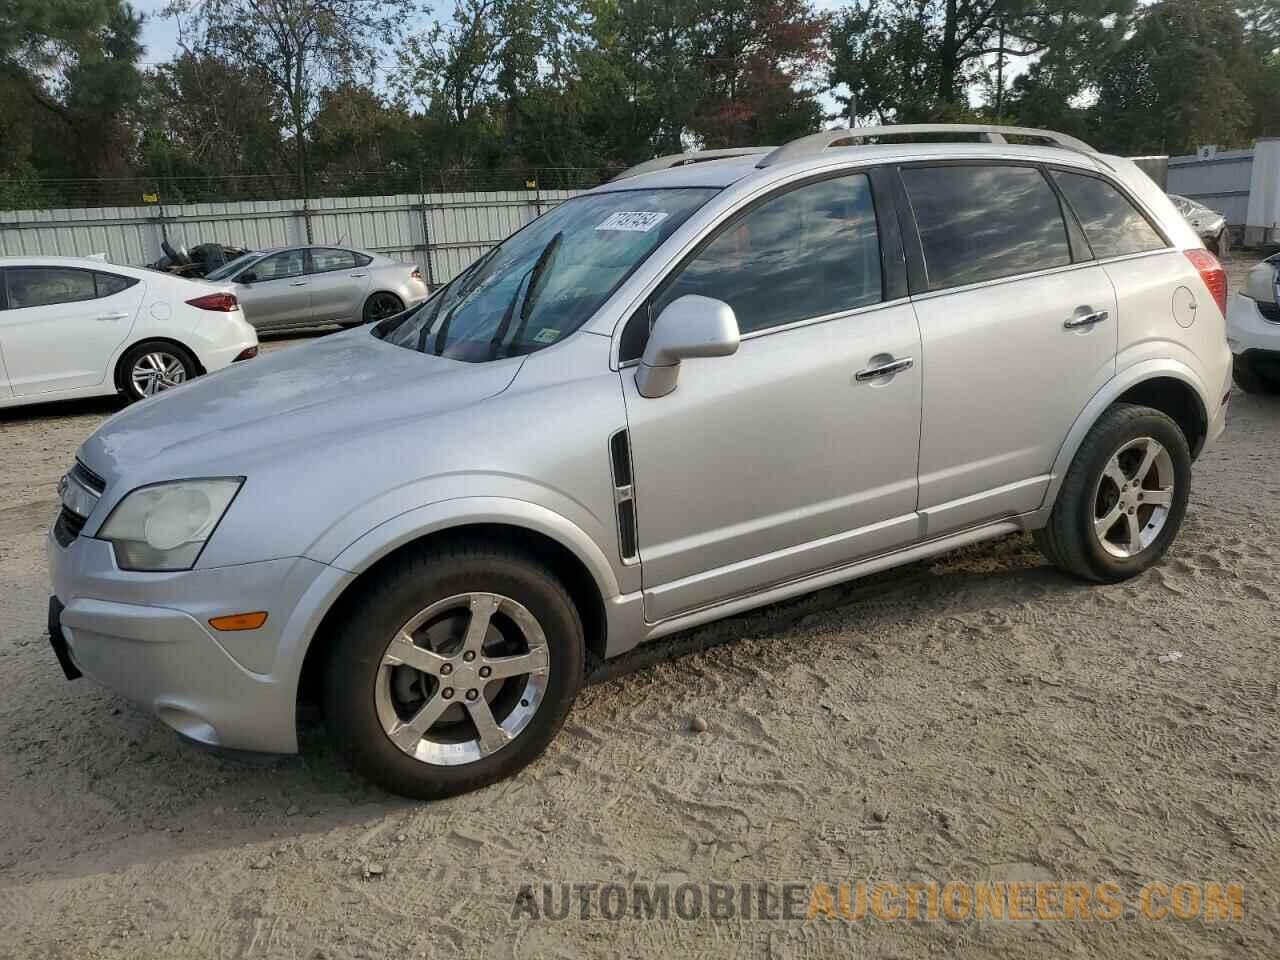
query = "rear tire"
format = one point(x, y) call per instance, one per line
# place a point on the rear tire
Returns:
point(452, 710)
point(381, 305)
point(1123, 499)
point(153, 367)
point(1248, 379)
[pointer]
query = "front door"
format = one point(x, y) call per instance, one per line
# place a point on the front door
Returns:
point(62, 326)
point(275, 291)
point(780, 461)
point(1020, 329)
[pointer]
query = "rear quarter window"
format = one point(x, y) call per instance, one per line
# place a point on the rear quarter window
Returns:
point(1113, 226)
point(984, 222)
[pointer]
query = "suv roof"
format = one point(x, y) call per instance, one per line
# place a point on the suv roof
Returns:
point(719, 168)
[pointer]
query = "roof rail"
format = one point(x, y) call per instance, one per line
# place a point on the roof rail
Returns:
point(817, 142)
point(680, 159)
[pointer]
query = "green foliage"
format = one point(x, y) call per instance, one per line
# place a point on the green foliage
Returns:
point(277, 96)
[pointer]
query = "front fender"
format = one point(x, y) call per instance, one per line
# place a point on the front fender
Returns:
point(1114, 388)
point(413, 524)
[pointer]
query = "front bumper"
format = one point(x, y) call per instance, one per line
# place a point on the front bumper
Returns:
point(146, 636)
point(1248, 329)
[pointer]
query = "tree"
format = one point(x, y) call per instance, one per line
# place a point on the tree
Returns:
point(1171, 86)
point(759, 57)
point(917, 59)
point(76, 83)
point(297, 48)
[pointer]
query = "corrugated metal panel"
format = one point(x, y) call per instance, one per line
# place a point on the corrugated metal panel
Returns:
point(1221, 181)
point(459, 226)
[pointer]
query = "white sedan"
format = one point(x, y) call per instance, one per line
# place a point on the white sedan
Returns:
point(73, 327)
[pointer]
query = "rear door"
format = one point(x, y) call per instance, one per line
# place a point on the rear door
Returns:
point(338, 284)
point(1019, 332)
point(275, 291)
point(63, 325)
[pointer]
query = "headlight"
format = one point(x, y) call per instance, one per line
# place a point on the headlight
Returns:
point(165, 526)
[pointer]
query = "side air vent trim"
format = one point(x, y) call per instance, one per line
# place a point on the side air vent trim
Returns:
point(624, 501)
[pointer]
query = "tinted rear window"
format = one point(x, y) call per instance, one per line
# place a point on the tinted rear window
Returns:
point(1113, 225)
point(985, 222)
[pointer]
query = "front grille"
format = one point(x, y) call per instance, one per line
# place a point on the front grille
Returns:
point(1269, 311)
point(67, 527)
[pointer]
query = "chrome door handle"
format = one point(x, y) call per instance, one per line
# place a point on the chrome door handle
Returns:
point(884, 369)
point(1088, 320)
point(113, 316)
point(298, 283)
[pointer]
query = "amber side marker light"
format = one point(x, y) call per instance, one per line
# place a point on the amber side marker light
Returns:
point(239, 621)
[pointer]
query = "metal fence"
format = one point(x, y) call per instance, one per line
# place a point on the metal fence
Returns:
point(441, 232)
point(440, 220)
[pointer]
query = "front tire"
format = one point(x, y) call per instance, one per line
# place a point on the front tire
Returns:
point(1123, 499)
point(454, 669)
point(153, 367)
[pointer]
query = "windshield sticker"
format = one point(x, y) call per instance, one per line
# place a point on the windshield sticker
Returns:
point(547, 335)
point(633, 221)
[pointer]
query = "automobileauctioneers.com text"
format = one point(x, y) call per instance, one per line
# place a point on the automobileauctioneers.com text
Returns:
point(957, 901)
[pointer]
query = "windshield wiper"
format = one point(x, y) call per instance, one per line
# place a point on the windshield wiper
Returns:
point(468, 280)
point(531, 291)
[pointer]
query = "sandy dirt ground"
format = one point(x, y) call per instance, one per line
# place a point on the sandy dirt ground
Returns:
point(975, 718)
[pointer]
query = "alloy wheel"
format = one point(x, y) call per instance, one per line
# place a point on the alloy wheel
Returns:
point(156, 372)
point(1133, 497)
point(462, 678)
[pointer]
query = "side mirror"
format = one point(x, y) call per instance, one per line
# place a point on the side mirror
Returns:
point(248, 277)
point(691, 326)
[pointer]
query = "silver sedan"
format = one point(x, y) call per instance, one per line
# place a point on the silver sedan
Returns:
point(308, 286)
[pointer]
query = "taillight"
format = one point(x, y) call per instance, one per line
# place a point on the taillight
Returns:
point(416, 274)
point(1211, 272)
point(224, 302)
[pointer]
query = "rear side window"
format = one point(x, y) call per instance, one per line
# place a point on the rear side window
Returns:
point(809, 252)
point(981, 223)
point(1113, 226)
point(325, 259)
point(41, 286)
point(110, 283)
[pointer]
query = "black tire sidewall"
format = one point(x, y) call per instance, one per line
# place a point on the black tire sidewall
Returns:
point(1166, 432)
point(364, 316)
point(352, 670)
point(124, 376)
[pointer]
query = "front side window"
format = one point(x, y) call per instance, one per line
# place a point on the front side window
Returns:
point(1113, 226)
point(278, 266)
point(545, 281)
point(981, 223)
point(232, 267)
point(810, 252)
point(41, 286)
point(325, 259)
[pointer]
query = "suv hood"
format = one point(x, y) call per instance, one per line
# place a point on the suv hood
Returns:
point(337, 388)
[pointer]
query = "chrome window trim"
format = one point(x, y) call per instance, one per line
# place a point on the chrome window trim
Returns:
point(1036, 274)
point(623, 303)
point(806, 322)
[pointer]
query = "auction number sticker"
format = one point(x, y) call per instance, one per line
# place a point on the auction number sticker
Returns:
point(633, 221)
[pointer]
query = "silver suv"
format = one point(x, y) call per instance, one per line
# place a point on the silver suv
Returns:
point(713, 383)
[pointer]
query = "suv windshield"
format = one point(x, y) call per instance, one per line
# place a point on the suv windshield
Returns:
point(546, 280)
